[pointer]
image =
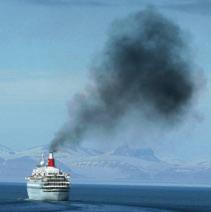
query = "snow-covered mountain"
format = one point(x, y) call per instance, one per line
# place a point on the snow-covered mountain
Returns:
point(122, 165)
point(141, 153)
point(5, 151)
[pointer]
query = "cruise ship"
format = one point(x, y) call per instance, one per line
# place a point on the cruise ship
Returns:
point(48, 182)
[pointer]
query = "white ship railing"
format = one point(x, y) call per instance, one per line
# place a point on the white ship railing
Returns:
point(55, 186)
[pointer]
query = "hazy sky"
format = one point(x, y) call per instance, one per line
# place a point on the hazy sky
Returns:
point(47, 47)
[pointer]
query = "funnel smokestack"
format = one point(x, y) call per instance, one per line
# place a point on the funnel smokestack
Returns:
point(51, 162)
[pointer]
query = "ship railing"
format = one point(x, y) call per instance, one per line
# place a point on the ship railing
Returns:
point(56, 179)
point(55, 175)
point(56, 186)
point(53, 184)
point(33, 178)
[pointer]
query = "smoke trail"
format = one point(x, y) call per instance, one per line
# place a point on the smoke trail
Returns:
point(144, 65)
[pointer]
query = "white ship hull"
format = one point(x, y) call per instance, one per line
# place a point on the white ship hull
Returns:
point(37, 193)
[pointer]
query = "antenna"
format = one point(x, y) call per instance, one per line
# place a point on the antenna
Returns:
point(42, 162)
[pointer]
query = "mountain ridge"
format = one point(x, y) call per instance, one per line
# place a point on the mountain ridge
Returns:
point(124, 164)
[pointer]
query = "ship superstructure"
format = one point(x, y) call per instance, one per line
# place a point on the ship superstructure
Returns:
point(48, 182)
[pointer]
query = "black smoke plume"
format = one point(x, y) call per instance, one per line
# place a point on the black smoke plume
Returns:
point(144, 67)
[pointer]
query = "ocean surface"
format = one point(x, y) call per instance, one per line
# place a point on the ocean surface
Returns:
point(111, 198)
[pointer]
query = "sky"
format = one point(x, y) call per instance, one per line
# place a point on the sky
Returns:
point(46, 51)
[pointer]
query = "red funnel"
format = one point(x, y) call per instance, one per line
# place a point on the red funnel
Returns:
point(51, 161)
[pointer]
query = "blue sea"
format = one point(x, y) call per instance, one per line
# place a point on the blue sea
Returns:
point(111, 198)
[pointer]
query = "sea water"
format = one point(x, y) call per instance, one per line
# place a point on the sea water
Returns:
point(111, 198)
